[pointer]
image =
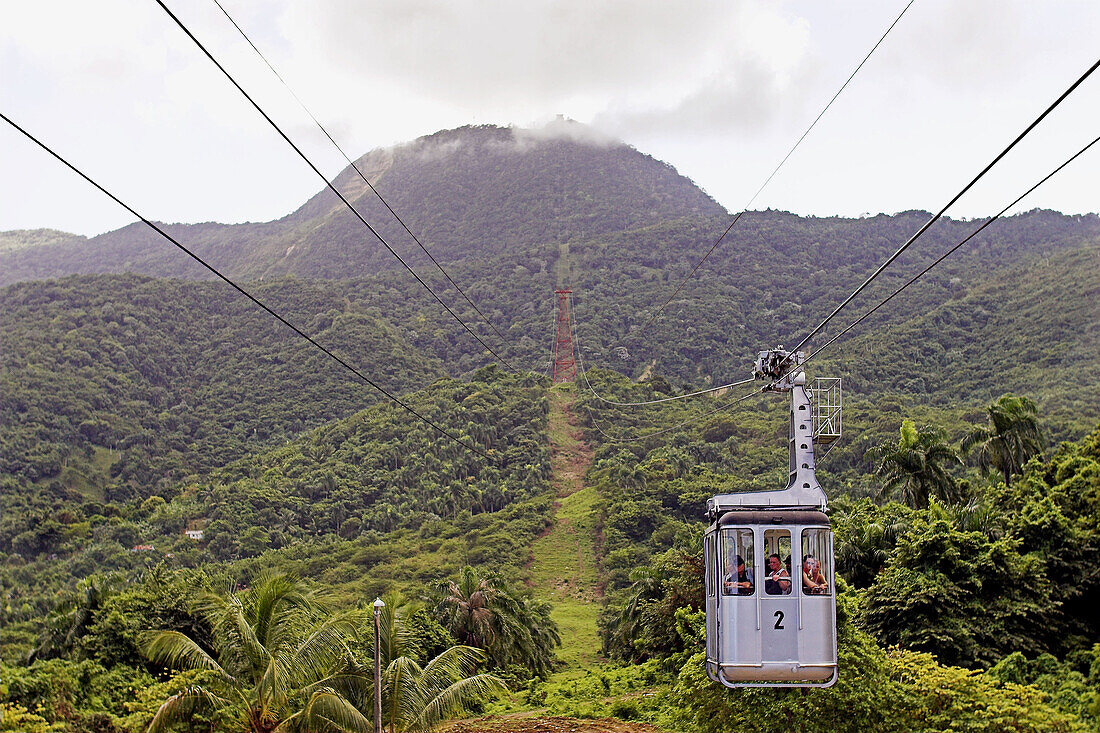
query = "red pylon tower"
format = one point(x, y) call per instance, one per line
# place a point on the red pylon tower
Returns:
point(565, 366)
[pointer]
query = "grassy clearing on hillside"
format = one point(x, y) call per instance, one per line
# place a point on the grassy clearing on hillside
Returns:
point(564, 573)
point(563, 567)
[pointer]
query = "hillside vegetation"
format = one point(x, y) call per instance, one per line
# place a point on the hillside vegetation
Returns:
point(319, 505)
point(175, 377)
point(26, 238)
point(514, 214)
point(142, 401)
point(467, 193)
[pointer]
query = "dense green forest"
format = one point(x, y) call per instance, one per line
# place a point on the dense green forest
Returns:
point(178, 377)
point(138, 409)
point(981, 575)
point(371, 474)
point(362, 506)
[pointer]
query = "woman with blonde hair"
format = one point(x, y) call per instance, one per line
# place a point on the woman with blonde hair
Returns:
point(813, 582)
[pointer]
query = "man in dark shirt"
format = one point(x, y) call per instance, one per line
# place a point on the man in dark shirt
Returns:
point(738, 579)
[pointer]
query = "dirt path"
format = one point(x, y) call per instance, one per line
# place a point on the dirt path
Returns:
point(563, 565)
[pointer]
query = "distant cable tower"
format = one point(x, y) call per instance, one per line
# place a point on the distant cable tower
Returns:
point(565, 366)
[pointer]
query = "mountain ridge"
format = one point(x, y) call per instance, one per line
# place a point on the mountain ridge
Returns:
point(455, 189)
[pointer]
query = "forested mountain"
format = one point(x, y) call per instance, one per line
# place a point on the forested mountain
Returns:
point(466, 193)
point(185, 377)
point(516, 213)
point(1010, 333)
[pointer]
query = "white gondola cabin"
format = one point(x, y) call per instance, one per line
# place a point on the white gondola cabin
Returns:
point(770, 596)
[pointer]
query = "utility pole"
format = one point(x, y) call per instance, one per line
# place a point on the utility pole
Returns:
point(378, 606)
point(565, 365)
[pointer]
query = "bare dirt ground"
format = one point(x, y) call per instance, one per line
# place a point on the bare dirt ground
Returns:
point(548, 725)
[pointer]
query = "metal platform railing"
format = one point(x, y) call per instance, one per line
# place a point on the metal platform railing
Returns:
point(826, 398)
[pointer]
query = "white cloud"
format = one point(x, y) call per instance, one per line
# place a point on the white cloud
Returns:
point(718, 88)
point(538, 56)
point(561, 128)
point(963, 45)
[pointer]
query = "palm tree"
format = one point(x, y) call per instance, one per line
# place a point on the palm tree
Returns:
point(979, 516)
point(645, 586)
point(416, 698)
point(481, 611)
point(866, 550)
point(1011, 439)
point(70, 620)
point(916, 465)
point(280, 665)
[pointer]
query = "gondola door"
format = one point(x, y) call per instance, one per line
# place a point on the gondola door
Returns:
point(738, 614)
point(778, 603)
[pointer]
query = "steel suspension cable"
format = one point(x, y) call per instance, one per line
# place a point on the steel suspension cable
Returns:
point(768, 180)
point(329, 184)
point(601, 398)
point(935, 217)
point(356, 372)
point(689, 421)
point(943, 257)
point(352, 163)
point(871, 311)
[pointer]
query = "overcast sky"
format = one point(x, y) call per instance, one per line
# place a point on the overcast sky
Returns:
point(719, 89)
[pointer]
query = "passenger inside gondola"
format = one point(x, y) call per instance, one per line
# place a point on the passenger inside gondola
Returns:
point(813, 582)
point(738, 579)
point(778, 582)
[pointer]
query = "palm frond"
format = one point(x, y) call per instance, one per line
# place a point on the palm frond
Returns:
point(327, 711)
point(239, 651)
point(401, 683)
point(183, 705)
point(453, 698)
point(271, 592)
point(354, 685)
point(255, 654)
point(455, 662)
point(395, 633)
point(178, 651)
point(322, 648)
point(274, 685)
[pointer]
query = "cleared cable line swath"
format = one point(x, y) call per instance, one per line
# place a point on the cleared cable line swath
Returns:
point(331, 187)
point(943, 257)
point(353, 370)
point(601, 398)
point(768, 180)
point(352, 163)
point(935, 217)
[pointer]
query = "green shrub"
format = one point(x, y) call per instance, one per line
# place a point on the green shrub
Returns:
point(626, 709)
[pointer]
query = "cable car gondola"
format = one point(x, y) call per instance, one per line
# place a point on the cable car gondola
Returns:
point(771, 605)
